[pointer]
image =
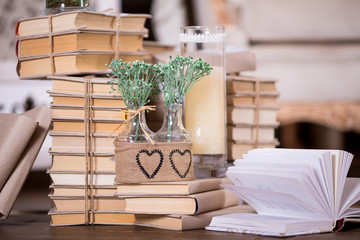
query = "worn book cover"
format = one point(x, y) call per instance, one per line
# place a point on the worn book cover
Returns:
point(13, 185)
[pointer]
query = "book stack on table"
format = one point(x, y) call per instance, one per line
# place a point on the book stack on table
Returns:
point(252, 108)
point(178, 205)
point(72, 49)
point(82, 150)
point(78, 42)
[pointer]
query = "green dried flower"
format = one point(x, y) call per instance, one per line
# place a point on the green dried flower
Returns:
point(135, 81)
point(178, 77)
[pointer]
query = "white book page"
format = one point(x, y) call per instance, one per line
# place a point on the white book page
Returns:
point(351, 213)
point(280, 168)
point(271, 203)
point(350, 195)
point(342, 161)
point(295, 182)
point(317, 159)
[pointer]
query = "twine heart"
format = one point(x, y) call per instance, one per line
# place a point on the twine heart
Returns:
point(149, 154)
point(173, 164)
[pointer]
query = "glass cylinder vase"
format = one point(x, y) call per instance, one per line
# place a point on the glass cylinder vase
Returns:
point(136, 130)
point(59, 6)
point(172, 129)
point(205, 104)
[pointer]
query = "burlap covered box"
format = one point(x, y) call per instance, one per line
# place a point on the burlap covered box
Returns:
point(159, 162)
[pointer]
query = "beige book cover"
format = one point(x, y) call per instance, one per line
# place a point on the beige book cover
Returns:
point(12, 187)
point(191, 204)
point(187, 222)
point(16, 131)
point(171, 188)
point(247, 114)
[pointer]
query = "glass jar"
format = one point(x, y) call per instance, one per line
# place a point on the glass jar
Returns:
point(172, 129)
point(136, 130)
point(205, 104)
point(58, 6)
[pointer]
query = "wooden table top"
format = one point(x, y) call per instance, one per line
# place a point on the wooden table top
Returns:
point(28, 226)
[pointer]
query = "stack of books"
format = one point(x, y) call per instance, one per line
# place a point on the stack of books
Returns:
point(85, 118)
point(252, 108)
point(78, 42)
point(72, 49)
point(178, 205)
point(83, 164)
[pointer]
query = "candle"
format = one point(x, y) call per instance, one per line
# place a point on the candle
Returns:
point(205, 114)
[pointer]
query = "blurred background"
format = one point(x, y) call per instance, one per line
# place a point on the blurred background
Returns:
point(312, 47)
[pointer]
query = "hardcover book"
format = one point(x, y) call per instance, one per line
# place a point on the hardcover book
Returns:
point(293, 191)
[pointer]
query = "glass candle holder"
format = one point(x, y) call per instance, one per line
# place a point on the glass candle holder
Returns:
point(58, 6)
point(205, 104)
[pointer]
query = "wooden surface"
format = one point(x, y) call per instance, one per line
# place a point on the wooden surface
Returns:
point(36, 226)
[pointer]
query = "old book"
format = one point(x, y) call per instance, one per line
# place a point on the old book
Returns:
point(14, 183)
point(75, 85)
point(77, 112)
point(186, 222)
point(72, 178)
point(236, 60)
point(75, 142)
point(170, 188)
point(78, 163)
point(251, 98)
point(16, 131)
point(79, 190)
point(153, 47)
point(293, 191)
point(249, 132)
point(237, 149)
point(250, 114)
point(65, 218)
point(243, 83)
point(190, 204)
point(78, 126)
point(77, 203)
point(61, 100)
point(71, 63)
point(129, 41)
point(80, 20)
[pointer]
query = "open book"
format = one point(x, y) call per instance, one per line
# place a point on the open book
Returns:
point(293, 191)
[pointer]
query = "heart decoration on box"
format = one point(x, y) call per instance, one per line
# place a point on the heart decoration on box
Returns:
point(141, 166)
point(182, 153)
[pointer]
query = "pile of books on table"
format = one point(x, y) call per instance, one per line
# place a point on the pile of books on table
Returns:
point(84, 123)
point(72, 49)
point(252, 108)
point(179, 205)
point(78, 42)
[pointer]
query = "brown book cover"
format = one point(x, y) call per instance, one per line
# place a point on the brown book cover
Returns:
point(67, 218)
point(71, 63)
point(128, 41)
point(16, 131)
point(12, 187)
